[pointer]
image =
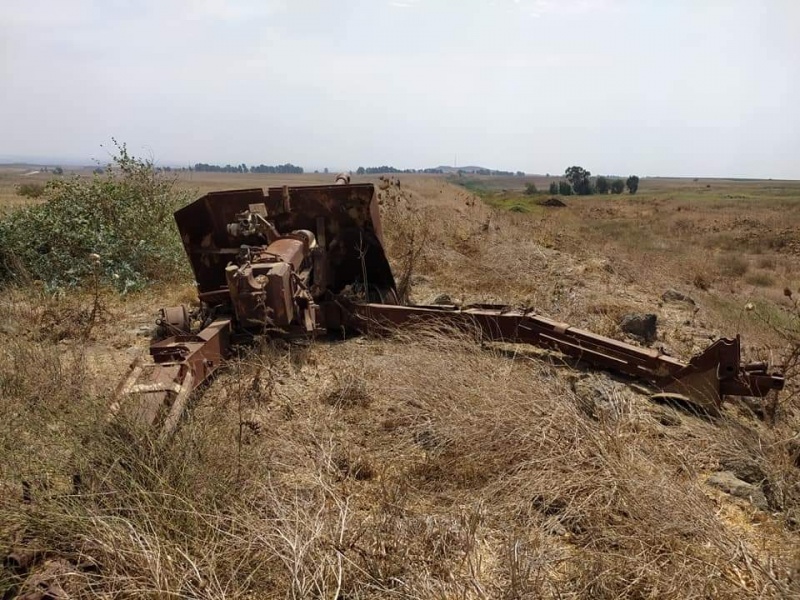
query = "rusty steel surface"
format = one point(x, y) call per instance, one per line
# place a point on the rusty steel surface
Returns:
point(155, 394)
point(706, 379)
point(344, 216)
point(300, 261)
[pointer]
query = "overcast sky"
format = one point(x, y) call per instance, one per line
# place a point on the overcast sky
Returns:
point(660, 87)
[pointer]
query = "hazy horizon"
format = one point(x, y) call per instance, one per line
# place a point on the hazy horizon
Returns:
point(653, 88)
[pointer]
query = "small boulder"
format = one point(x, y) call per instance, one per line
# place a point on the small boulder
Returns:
point(442, 299)
point(673, 295)
point(730, 484)
point(640, 325)
point(744, 467)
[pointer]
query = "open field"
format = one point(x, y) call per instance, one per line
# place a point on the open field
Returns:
point(424, 466)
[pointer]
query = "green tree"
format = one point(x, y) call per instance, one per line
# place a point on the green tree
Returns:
point(530, 189)
point(578, 178)
point(601, 185)
point(617, 186)
point(553, 187)
point(58, 171)
point(360, 171)
point(632, 184)
point(564, 188)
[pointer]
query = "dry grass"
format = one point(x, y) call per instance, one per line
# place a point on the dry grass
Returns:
point(484, 481)
point(422, 466)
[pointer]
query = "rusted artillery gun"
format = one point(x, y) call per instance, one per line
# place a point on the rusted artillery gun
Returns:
point(307, 260)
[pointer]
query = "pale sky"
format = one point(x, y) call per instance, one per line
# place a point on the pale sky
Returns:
point(659, 87)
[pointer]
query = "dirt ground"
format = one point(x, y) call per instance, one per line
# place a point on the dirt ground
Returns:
point(423, 466)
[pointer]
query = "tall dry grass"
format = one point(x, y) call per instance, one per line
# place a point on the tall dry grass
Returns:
point(421, 466)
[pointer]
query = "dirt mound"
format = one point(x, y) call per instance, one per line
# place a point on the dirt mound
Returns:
point(552, 201)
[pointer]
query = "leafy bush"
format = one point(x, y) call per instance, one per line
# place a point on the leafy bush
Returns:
point(617, 186)
point(564, 188)
point(30, 190)
point(124, 216)
point(530, 189)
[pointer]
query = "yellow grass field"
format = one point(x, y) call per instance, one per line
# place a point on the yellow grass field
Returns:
point(422, 465)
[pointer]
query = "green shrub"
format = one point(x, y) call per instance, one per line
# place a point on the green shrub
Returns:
point(30, 190)
point(124, 216)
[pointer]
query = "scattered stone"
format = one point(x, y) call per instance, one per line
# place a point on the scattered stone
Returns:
point(745, 468)
point(442, 299)
point(552, 201)
point(673, 295)
point(640, 325)
point(730, 484)
point(427, 439)
point(594, 396)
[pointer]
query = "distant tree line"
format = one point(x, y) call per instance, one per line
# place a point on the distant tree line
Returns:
point(385, 169)
point(243, 168)
point(493, 172)
point(578, 181)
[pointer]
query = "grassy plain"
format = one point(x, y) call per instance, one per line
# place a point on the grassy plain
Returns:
point(425, 466)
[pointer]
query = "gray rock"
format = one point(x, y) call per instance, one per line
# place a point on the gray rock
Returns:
point(730, 484)
point(427, 439)
point(673, 295)
point(594, 396)
point(640, 325)
point(442, 299)
point(745, 468)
